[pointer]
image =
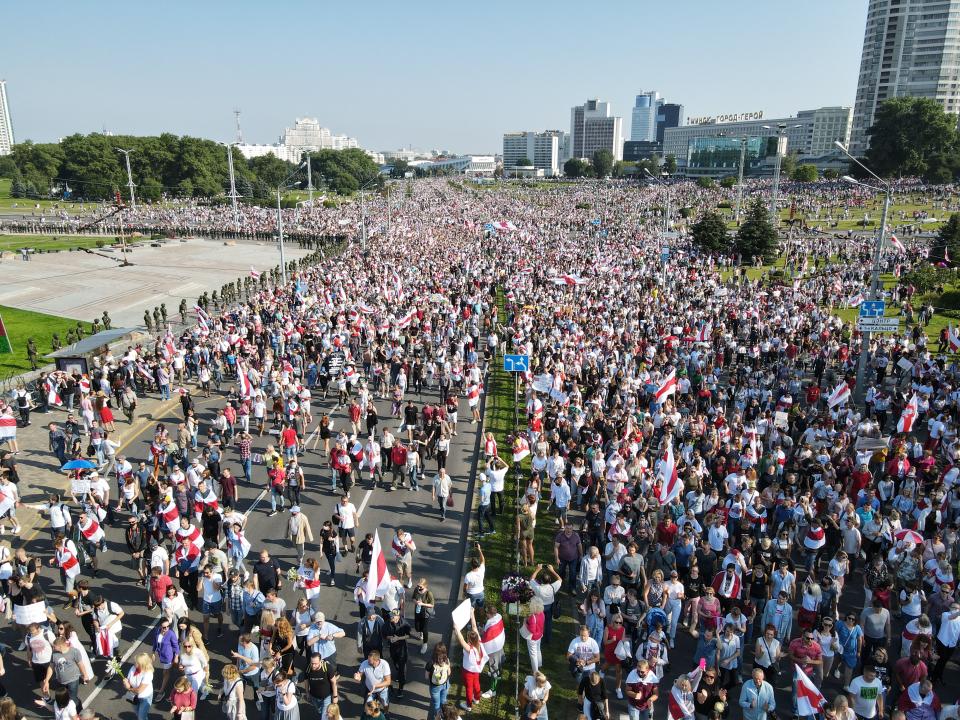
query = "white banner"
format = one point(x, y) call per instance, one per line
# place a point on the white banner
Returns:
point(33, 613)
point(80, 486)
point(543, 383)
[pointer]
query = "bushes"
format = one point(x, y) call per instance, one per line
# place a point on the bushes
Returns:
point(926, 278)
point(705, 182)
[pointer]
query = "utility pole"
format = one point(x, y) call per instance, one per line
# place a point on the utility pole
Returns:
point(743, 158)
point(309, 180)
point(236, 114)
point(126, 155)
point(363, 223)
point(388, 211)
point(233, 190)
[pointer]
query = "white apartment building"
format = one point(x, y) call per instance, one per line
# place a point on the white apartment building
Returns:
point(593, 128)
point(307, 134)
point(542, 149)
point(6, 123)
point(911, 48)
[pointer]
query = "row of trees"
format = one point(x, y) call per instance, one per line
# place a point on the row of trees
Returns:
point(602, 165)
point(756, 236)
point(91, 167)
point(914, 137)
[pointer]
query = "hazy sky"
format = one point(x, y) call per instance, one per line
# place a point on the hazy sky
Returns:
point(451, 75)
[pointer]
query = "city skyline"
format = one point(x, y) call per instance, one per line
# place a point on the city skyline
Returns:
point(149, 70)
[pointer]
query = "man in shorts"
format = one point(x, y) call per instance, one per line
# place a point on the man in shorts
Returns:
point(349, 519)
point(211, 598)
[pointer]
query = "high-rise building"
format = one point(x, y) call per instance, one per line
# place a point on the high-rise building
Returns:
point(306, 134)
point(643, 120)
point(593, 128)
point(541, 149)
point(911, 48)
point(669, 115)
point(6, 124)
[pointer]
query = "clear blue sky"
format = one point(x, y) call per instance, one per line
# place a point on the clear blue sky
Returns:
point(432, 74)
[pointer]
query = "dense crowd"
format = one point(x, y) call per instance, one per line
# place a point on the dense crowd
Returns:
point(725, 522)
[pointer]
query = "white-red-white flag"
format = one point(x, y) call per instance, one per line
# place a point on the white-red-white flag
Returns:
point(840, 394)
point(679, 703)
point(809, 698)
point(667, 387)
point(521, 448)
point(953, 339)
point(703, 334)
point(378, 578)
point(669, 479)
point(568, 280)
point(909, 415)
point(254, 273)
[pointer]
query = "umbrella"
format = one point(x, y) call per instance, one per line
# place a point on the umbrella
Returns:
point(79, 465)
point(909, 536)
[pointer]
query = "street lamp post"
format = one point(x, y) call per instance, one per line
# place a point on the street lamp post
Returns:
point(781, 132)
point(875, 268)
point(233, 190)
point(126, 155)
point(280, 188)
point(743, 158)
point(363, 215)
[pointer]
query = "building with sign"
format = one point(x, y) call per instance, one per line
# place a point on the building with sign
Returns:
point(910, 49)
point(810, 136)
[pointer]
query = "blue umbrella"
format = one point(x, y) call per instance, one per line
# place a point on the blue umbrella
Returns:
point(79, 465)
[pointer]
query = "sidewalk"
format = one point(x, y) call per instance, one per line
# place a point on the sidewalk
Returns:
point(39, 468)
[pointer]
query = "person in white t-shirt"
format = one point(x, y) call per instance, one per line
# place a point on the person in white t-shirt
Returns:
point(347, 512)
point(584, 652)
point(139, 682)
point(473, 580)
point(866, 694)
point(208, 587)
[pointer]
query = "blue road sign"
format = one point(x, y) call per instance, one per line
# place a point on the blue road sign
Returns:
point(516, 363)
point(872, 308)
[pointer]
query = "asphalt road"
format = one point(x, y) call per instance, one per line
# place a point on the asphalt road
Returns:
point(438, 557)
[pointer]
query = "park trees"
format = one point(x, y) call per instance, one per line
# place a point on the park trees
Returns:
point(574, 168)
point(602, 163)
point(914, 136)
point(710, 232)
point(756, 235)
point(946, 247)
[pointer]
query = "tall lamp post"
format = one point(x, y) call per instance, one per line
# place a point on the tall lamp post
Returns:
point(781, 132)
point(126, 156)
point(875, 267)
point(666, 192)
point(363, 214)
point(743, 159)
point(286, 184)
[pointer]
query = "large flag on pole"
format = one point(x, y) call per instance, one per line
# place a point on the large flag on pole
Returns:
point(378, 576)
point(5, 346)
point(809, 698)
point(669, 387)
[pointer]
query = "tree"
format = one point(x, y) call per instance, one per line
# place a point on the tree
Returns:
point(670, 164)
point(620, 169)
point(574, 168)
point(17, 187)
point(710, 232)
point(602, 162)
point(400, 168)
point(7, 167)
point(805, 173)
point(523, 162)
point(831, 174)
point(728, 181)
point(756, 235)
point(912, 136)
point(705, 182)
point(947, 243)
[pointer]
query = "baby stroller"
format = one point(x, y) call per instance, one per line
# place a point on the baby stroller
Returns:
point(655, 616)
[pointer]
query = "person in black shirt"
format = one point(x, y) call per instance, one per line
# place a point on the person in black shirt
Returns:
point(266, 573)
point(593, 694)
point(706, 559)
point(396, 631)
point(321, 682)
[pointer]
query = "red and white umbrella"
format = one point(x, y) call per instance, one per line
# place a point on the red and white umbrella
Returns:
point(909, 536)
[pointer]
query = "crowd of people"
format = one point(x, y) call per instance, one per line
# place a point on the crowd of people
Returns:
point(724, 523)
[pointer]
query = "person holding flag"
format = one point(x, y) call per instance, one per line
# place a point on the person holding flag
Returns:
point(807, 698)
point(680, 705)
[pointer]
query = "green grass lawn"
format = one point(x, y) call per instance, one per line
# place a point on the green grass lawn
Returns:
point(46, 243)
point(24, 324)
point(10, 205)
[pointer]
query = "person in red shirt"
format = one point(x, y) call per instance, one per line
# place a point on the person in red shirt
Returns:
point(813, 394)
point(288, 436)
point(354, 412)
point(667, 531)
point(859, 479)
point(158, 587)
point(806, 652)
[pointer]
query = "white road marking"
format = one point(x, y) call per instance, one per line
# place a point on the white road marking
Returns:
point(363, 505)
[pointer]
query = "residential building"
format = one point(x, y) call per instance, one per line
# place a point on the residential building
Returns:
point(911, 48)
point(307, 134)
point(282, 152)
point(593, 128)
point(6, 123)
point(810, 136)
point(542, 149)
point(643, 121)
point(462, 164)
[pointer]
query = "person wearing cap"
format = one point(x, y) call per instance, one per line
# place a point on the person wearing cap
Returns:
point(299, 531)
point(322, 637)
